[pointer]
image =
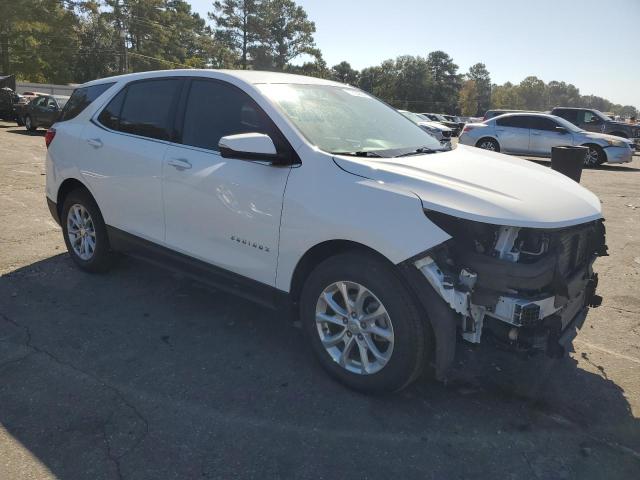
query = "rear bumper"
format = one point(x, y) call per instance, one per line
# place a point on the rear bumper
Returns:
point(619, 154)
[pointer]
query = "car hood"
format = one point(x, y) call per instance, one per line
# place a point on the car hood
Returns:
point(484, 186)
point(604, 136)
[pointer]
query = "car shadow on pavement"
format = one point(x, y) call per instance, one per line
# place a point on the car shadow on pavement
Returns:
point(609, 168)
point(24, 131)
point(140, 373)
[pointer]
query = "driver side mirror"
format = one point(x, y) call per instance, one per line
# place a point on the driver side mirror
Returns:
point(560, 129)
point(251, 146)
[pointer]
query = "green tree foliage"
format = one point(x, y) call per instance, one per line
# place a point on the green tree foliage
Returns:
point(404, 83)
point(468, 101)
point(480, 75)
point(446, 81)
point(41, 37)
point(533, 94)
point(506, 96)
point(286, 33)
point(532, 91)
point(343, 72)
point(316, 68)
point(238, 25)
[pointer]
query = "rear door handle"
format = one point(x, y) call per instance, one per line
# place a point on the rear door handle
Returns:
point(180, 163)
point(536, 133)
point(95, 142)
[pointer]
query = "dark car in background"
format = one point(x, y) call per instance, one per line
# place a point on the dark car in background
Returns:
point(42, 111)
point(595, 121)
point(436, 117)
point(8, 98)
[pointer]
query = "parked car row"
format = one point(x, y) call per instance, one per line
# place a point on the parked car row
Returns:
point(535, 134)
point(314, 197)
point(31, 109)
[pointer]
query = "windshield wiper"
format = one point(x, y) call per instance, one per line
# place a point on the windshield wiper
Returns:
point(359, 153)
point(419, 151)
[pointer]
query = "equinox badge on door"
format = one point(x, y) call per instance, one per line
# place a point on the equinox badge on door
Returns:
point(248, 243)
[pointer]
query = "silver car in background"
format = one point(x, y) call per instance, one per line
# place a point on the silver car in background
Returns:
point(435, 129)
point(534, 134)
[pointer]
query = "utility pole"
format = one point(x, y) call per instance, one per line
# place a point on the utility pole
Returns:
point(4, 47)
point(125, 65)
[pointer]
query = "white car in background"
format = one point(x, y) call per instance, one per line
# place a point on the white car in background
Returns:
point(439, 131)
point(313, 197)
point(535, 134)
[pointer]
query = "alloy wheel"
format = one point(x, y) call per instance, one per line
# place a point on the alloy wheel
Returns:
point(27, 122)
point(488, 145)
point(354, 327)
point(81, 231)
point(592, 158)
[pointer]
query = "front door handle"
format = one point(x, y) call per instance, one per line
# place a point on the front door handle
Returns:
point(180, 163)
point(536, 133)
point(95, 142)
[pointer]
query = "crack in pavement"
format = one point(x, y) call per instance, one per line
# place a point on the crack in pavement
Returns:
point(35, 349)
point(619, 309)
point(115, 459)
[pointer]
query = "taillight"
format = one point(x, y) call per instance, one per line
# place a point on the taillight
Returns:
point(49, 136)
point(467, 128)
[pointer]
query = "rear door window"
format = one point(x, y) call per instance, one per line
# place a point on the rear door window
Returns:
point(148, 107)
point(215, 109)
point(518, 121)
point(81, 98)
point(542, 123)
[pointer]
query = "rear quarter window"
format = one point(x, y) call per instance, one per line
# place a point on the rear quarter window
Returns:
point(81, 98)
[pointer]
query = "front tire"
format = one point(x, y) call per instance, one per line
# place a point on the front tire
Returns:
point(28, 123)
point(488, 144)
point(85, 233)
point(364, 326)
point(595, 156)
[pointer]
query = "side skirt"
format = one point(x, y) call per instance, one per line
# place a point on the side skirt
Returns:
point(200, 271)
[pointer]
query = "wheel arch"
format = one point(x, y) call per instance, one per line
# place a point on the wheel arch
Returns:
point(318, 253)
point(598, 147)
point(66, 187)
point(493, 138)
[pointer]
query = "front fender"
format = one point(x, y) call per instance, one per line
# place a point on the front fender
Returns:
point(323, 203)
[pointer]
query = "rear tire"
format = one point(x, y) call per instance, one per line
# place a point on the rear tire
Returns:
point(382, 323)
point(488, 144)
point(28, 123)
point(85, 233)
point(596, 156)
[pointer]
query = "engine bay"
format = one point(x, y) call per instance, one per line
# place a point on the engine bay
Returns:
point(525, 288)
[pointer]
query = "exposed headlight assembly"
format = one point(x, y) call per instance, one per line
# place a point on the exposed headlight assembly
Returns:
point(617, 143)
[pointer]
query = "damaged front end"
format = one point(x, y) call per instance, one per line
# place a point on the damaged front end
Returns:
point(525, 288)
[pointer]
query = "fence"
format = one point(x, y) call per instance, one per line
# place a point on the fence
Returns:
point(49, 88)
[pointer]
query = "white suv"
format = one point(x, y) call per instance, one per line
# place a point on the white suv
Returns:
point(301, 192)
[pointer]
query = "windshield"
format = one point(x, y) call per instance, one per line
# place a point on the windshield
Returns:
point(601, 115)
point(347, 120)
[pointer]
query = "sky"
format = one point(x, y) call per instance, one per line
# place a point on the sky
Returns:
point(594, 44)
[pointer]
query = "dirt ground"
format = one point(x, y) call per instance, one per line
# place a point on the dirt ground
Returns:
point(142, 374)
